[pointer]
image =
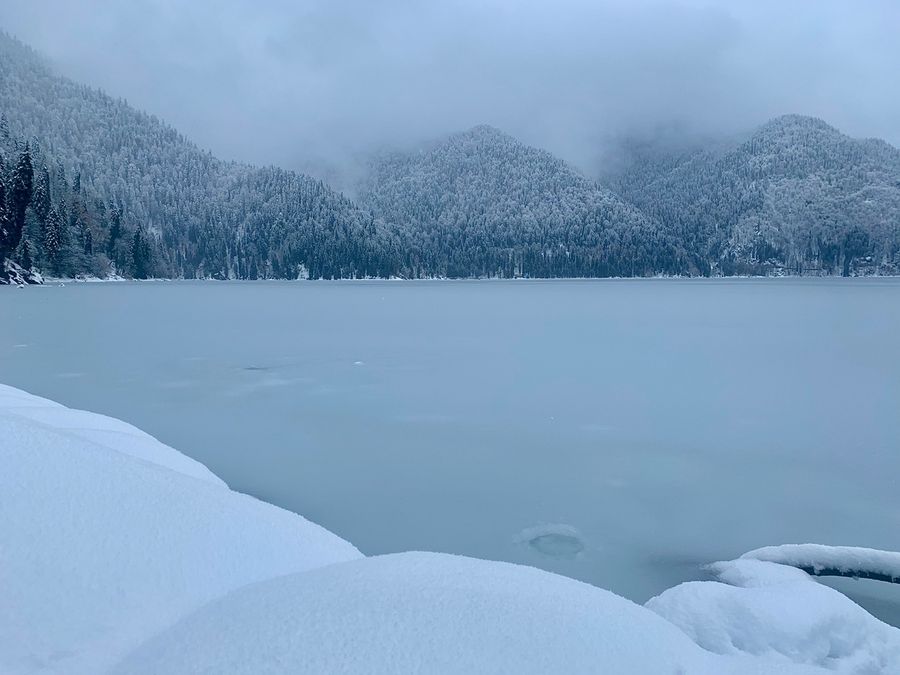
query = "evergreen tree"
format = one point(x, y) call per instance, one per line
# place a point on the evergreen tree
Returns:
point(18, 199)
point(856, 243)
point(53, 240)
point(3, 209)
point(140, 255)
point(24, 256)
point(40, 199)
point(114, 236)
point(87, 241)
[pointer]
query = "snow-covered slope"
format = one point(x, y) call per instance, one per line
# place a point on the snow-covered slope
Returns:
point(107, 537)
point(796, 195)
point(480, 203)
point(107, 431)
point(207, 217)
point(118, 554)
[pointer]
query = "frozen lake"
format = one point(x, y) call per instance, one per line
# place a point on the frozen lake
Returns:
point(620, 432)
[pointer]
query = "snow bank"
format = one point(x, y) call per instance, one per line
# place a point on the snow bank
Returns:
point(425, 613)
point(118, 553)
point(821, 560)
point(107, 431)
point(101, 547)
point(766, 609)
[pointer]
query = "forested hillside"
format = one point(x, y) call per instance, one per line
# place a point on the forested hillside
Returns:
point(50, 221)
point(481, 203)
point(795, 197)
point(88, 185)
point(208, 218)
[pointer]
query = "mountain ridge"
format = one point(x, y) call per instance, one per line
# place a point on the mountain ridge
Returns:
point(795, 196)
point(132, 195)
point(520, 211)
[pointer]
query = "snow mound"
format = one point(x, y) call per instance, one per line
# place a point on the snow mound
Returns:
point(765, 609)
point(424, 613)
point(100, 549)
point(107, 431)
point(833, 560)
point(119, 553)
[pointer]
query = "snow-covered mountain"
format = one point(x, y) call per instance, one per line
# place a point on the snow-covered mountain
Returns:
point(209, 217)
point(795, 195)
point(482, 203)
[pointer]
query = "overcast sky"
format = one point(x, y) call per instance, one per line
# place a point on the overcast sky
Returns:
point(289, 81)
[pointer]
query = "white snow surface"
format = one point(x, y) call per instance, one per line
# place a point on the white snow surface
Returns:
point(770, 610)
point(118, 554)
point(425, 613)
point(847, 559)
point(107, 431)
point(108, 537)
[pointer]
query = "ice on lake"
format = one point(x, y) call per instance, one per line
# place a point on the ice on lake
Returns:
point(620, 432)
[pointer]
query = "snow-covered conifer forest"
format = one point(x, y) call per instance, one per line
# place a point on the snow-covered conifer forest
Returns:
point(91, 186)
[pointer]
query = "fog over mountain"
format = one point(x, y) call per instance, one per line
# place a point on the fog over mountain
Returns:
point(90, 185)
point(313, 83)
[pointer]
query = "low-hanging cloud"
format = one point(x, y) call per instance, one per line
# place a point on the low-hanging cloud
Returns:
point(300, 82)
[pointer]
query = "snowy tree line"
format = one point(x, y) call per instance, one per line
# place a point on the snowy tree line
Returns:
point(114, 190)
point(200, 216)
point(796, 196)
point(48, 221)
point(481, 203)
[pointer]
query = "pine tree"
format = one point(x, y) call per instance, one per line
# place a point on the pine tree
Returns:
point(18, 199)
point(40, 199)
point(3, 211)
point(53, 239)
point(115, 234)
point(140, 255)
point(25, 257)
point(87, 240)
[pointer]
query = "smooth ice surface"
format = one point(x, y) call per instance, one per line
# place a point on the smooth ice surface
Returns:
point(669, 423)
point(101, 547)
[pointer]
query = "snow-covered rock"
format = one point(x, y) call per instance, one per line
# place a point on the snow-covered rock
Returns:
point(833, 560)
point(12, 273)
point(108, 537)
point(770, 610)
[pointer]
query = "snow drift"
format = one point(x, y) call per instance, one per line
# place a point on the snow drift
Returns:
point(421, 612)
point(102, 547)
point(120, 555)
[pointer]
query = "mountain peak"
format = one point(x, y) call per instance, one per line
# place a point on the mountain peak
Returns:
point(485, 130)
point(794, 123)
point(483, 133)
